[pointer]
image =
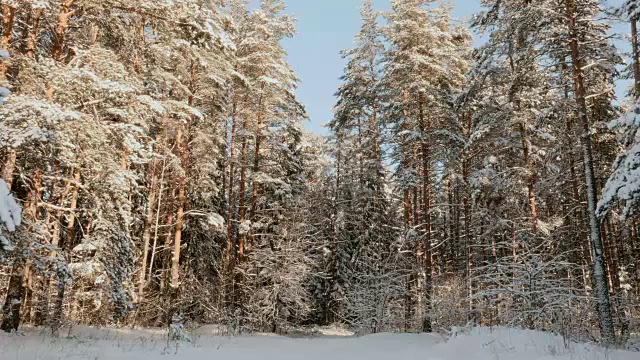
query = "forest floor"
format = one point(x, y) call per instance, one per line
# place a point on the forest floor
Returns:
point(479, 344)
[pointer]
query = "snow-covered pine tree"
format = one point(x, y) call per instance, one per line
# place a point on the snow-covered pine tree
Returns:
point(591, 61)
point(265, 125)
point(422, 67)
point(362, 277)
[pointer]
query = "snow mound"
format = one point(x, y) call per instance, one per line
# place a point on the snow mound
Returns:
point(515, 344)
point(10, 215)
point(10, 211)
point(334, 330)
point(477, 344)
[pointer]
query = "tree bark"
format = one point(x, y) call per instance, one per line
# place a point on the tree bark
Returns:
point(599, 264)
point(234, 125)
point(32, 35)
point(426, 203)
point(531, 181)
point(242, 206)
point(256, 168)
point(61, 29)
point(177, 242)
point(8, 18)
point(13, 300)
point(182, 144)
point(9, 167)
point(636, 56)
point(146, 235)
point(72, 217)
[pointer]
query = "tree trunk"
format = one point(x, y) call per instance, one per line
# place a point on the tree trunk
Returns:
point(182, 144)
point(256, 166)
point(531, 182)
point(9, 167)
point(61, 29)
point(177, 242)
point(426, 203)
point(166, 253)
point(8, 18)
point(146, 235)
point(636, 56)
point(242, 206)
point(230, 215)
point(58, 311)
point(157, 220)
point(599, 265)
point(13, 300)
point(58, 306)
point(32, 35)
point(72, 216)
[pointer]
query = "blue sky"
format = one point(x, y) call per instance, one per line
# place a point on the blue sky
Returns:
point(324, 28)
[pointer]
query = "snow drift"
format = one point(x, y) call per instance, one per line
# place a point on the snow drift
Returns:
point(477, 344)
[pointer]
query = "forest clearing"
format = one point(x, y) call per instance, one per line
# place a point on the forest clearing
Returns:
point(156, 172)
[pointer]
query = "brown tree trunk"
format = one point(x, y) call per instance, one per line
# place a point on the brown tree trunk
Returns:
point(8, 17)
point(137, 63)
point(9, 167)
point(29, 280)
point(61, 29)
point(32, 35)
point(146, 235)
point(183, 147)
point(177, 242)
point(167, 245)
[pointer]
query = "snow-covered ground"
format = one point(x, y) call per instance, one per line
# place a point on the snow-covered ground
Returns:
point(479, 344)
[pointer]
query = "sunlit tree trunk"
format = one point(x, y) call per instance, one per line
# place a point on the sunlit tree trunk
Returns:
point(64, 17)
point(148, 223)
point(182, 144)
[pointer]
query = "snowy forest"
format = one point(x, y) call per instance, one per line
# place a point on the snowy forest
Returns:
point(156, 169)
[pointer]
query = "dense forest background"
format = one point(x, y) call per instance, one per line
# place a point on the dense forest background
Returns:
point(159, 154)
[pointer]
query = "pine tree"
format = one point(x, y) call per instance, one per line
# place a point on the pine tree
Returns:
point(421, 73)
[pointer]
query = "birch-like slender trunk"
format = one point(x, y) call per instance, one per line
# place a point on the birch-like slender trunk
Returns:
point(231, 203)
point(607, 328)
point(182, 144)
point(148, 223)
point(426, 204)
point(256, 168)
point(636, 56)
